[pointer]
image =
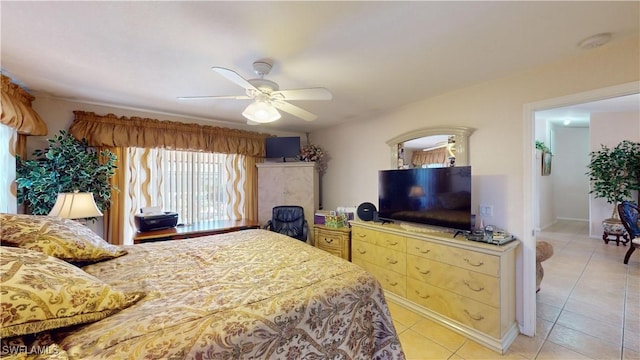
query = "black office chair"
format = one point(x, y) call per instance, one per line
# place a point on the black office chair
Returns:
point(629, 215)
point(289, 220)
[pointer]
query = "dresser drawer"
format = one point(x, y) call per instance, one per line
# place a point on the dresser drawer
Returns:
point(469, 312)
point(334, 241)
point(474, 285)
point(387, 240)
point(364, 235)
point(383, 257)
point(471, 260)
point(392, 241)
point(389, 280)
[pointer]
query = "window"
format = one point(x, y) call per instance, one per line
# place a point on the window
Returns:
point(194, 184)
point(198, 186)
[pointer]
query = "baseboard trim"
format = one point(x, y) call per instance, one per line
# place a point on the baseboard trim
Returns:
point(572, 219)
point(499, 345)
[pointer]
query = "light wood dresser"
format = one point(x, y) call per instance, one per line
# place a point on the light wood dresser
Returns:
point(336, 241)
point(465, 285)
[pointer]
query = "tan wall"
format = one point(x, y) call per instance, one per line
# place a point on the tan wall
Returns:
point(495, 109)
point(496, 151)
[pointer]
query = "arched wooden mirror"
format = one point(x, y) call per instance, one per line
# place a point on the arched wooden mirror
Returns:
point(434, 146)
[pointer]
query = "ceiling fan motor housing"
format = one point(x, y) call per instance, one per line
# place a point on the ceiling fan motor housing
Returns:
point(264, 85)
point(262, 67)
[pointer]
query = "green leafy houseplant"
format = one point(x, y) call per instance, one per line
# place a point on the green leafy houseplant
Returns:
point(66, 165)
point(615, 172)
point(542, 147)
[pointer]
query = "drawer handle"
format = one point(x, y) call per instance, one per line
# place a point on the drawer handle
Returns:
point(423, 272)
point(392, 261)
point(362, 235)
point(480, 288)
point(480, 263)
point(362, 251)
point(477, 317)
point(423, 251)
point(392, 283)
point(392, 242)
point(422, 296)
point(328, 241)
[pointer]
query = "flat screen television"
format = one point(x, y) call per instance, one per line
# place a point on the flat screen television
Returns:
point(431, 196)
point(285, 147)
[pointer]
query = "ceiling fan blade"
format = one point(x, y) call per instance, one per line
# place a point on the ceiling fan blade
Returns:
point(235, 97)
point(304, 94)
point(235, 78)
point(294, 110)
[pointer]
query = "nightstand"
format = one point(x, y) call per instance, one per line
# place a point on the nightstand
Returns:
point(336, 241)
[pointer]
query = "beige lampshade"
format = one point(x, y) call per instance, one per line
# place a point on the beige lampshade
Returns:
point(75, 205)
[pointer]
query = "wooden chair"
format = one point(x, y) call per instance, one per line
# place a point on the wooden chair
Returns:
point(629, 213)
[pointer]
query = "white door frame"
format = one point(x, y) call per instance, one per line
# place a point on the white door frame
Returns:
point(528, 326)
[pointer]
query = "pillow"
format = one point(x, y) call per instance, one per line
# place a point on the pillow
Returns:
point(455, 200)
point(40, 292)
point(63, 238)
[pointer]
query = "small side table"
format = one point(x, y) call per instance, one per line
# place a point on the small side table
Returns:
point(609, 237)
point(336, 241)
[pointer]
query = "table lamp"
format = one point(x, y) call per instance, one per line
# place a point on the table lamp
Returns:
point(75, 205)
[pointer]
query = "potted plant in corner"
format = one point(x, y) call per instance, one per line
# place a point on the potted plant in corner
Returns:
point(614, 173)
point(66, 165)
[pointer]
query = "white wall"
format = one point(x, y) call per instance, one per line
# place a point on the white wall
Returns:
point(496, 110)
point(570, 183)
point(627, 127)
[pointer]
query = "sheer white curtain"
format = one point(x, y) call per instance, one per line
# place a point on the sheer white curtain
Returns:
point(198, 186)
point(8, 201)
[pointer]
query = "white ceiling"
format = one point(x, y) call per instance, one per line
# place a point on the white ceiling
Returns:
point(579, 115)
point(373, 56)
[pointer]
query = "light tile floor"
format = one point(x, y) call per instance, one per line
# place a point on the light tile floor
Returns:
point(588, 308)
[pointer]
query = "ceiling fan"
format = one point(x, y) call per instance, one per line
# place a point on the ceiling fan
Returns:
point(267, 96)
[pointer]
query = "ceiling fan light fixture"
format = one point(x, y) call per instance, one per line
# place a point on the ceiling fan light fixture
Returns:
point(261, 112)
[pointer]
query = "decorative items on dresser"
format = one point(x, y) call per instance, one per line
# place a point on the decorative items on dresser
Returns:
point(287, 183)
point(334, 240)
point(464, 285)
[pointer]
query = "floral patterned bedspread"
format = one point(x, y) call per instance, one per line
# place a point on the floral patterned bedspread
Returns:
point(252, 294)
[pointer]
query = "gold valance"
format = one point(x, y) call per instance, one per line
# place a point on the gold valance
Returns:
point(113, 131)
point(435, 156)
point(17, 112)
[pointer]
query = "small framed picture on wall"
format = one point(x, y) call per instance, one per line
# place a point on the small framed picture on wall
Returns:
point(546, 163)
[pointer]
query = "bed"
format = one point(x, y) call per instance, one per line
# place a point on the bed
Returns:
point(252, 294)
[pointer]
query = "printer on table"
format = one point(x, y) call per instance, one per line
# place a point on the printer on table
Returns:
point(153, 218)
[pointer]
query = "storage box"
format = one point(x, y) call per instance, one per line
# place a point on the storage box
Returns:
point(319, 218)
point(336, 221)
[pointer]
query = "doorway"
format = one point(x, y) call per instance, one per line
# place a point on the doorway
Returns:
point(529, 185)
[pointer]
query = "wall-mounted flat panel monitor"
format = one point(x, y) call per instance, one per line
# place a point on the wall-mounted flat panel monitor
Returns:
point(286, 148)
